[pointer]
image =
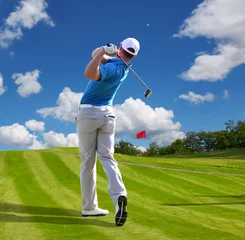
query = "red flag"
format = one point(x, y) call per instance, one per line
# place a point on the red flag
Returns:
point(141, 134)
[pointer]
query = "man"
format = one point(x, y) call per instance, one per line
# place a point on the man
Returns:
point(96, 126)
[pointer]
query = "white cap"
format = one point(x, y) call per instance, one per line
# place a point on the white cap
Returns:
point(131, 43)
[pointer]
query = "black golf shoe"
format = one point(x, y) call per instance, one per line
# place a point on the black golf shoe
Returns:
point(121, 212)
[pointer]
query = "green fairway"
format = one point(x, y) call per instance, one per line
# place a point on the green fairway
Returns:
point(198, 196)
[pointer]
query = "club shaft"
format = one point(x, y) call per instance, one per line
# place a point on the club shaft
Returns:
point(134, 73)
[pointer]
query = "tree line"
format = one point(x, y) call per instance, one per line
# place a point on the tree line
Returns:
point(232, 137)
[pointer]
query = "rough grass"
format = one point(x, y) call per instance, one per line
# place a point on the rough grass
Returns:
point(40, 197)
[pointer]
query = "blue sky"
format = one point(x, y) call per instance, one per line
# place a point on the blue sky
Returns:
point(192, 57)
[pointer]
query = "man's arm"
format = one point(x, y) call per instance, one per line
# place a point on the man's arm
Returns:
point(104, 59)
point(92, 70)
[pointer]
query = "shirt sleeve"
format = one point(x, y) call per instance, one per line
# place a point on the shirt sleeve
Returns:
point(107, 71)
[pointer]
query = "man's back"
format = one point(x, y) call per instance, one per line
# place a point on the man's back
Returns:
point(103, 91)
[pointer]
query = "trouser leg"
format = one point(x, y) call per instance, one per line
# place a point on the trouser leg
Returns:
point(88, 176)
point(87, 134)
point(105, 149)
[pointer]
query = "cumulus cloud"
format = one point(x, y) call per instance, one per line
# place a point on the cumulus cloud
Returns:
point(132, 116)
point(196, 98)
point(135, 115)
point(16, 135)
point(223, 21)
point(53, 139)
point(36, 145)
point(28, 83)
point(226, 94)
point(142, 149)
point(68, 103)
point(26, 15)
point(35, 126)
point(2, 89)
point(215, 67)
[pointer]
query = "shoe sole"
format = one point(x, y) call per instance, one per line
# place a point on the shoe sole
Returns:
point(122, 214)
point(96, 215)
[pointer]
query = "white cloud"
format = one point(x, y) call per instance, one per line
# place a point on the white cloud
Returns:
point(28, 83)
point(135, 115)
point(142, 149)
point(217, 66)
point(2, 89)
point(16, 135)
point(53, 139)
point(132, 116)
point(226, 94)
point(68, 103)
point(223, 21)
point(196, 98)
point(36, 145)
point(35, 126)
point(8, 35)
point(26, 15)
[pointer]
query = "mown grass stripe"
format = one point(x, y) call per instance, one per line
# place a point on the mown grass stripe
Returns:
point(214, 189)
point(178, 225)
point(102, 183)
point(65, 197)
point(51, 185)
point(170, 186)
point(167, 205)
point(3, 177)
point(58, 164)
point(204, 181)
point(148, 181)
point(186, 165)
point(18, 198)
point(43, 212)
point(63, 174)
point(9, 206)
point(74, 162)
point(207, 189)
point(205, 166)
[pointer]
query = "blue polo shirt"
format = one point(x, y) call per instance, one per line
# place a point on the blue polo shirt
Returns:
point(103, 91)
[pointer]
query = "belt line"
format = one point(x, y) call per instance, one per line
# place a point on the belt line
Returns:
point(93, 106)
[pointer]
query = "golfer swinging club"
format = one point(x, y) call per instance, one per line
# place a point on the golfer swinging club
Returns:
point(95, 124)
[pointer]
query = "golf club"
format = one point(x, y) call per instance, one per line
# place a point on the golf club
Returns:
point(148, 92)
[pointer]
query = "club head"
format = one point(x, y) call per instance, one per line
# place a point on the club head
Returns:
point(148, 93)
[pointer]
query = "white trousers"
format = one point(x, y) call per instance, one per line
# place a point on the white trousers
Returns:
point(96, 131)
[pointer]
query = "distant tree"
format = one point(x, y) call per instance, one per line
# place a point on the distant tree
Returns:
point(162, 151)
point(206, 140)
point(239, 134)
point(169, 150)
point(232, 137)
point(229, 125)
point(177, 146)
point(127, 148)
point(165, 150)
point(153, 149)
point(221, 140)
point(192, 142)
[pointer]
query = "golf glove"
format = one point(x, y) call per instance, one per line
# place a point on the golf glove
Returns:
point(110, 48)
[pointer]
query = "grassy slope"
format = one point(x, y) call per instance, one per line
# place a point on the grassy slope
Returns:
point(227, 161)
point(40, 198)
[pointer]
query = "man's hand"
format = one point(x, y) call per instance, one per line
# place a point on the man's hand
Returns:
point(110, 49)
